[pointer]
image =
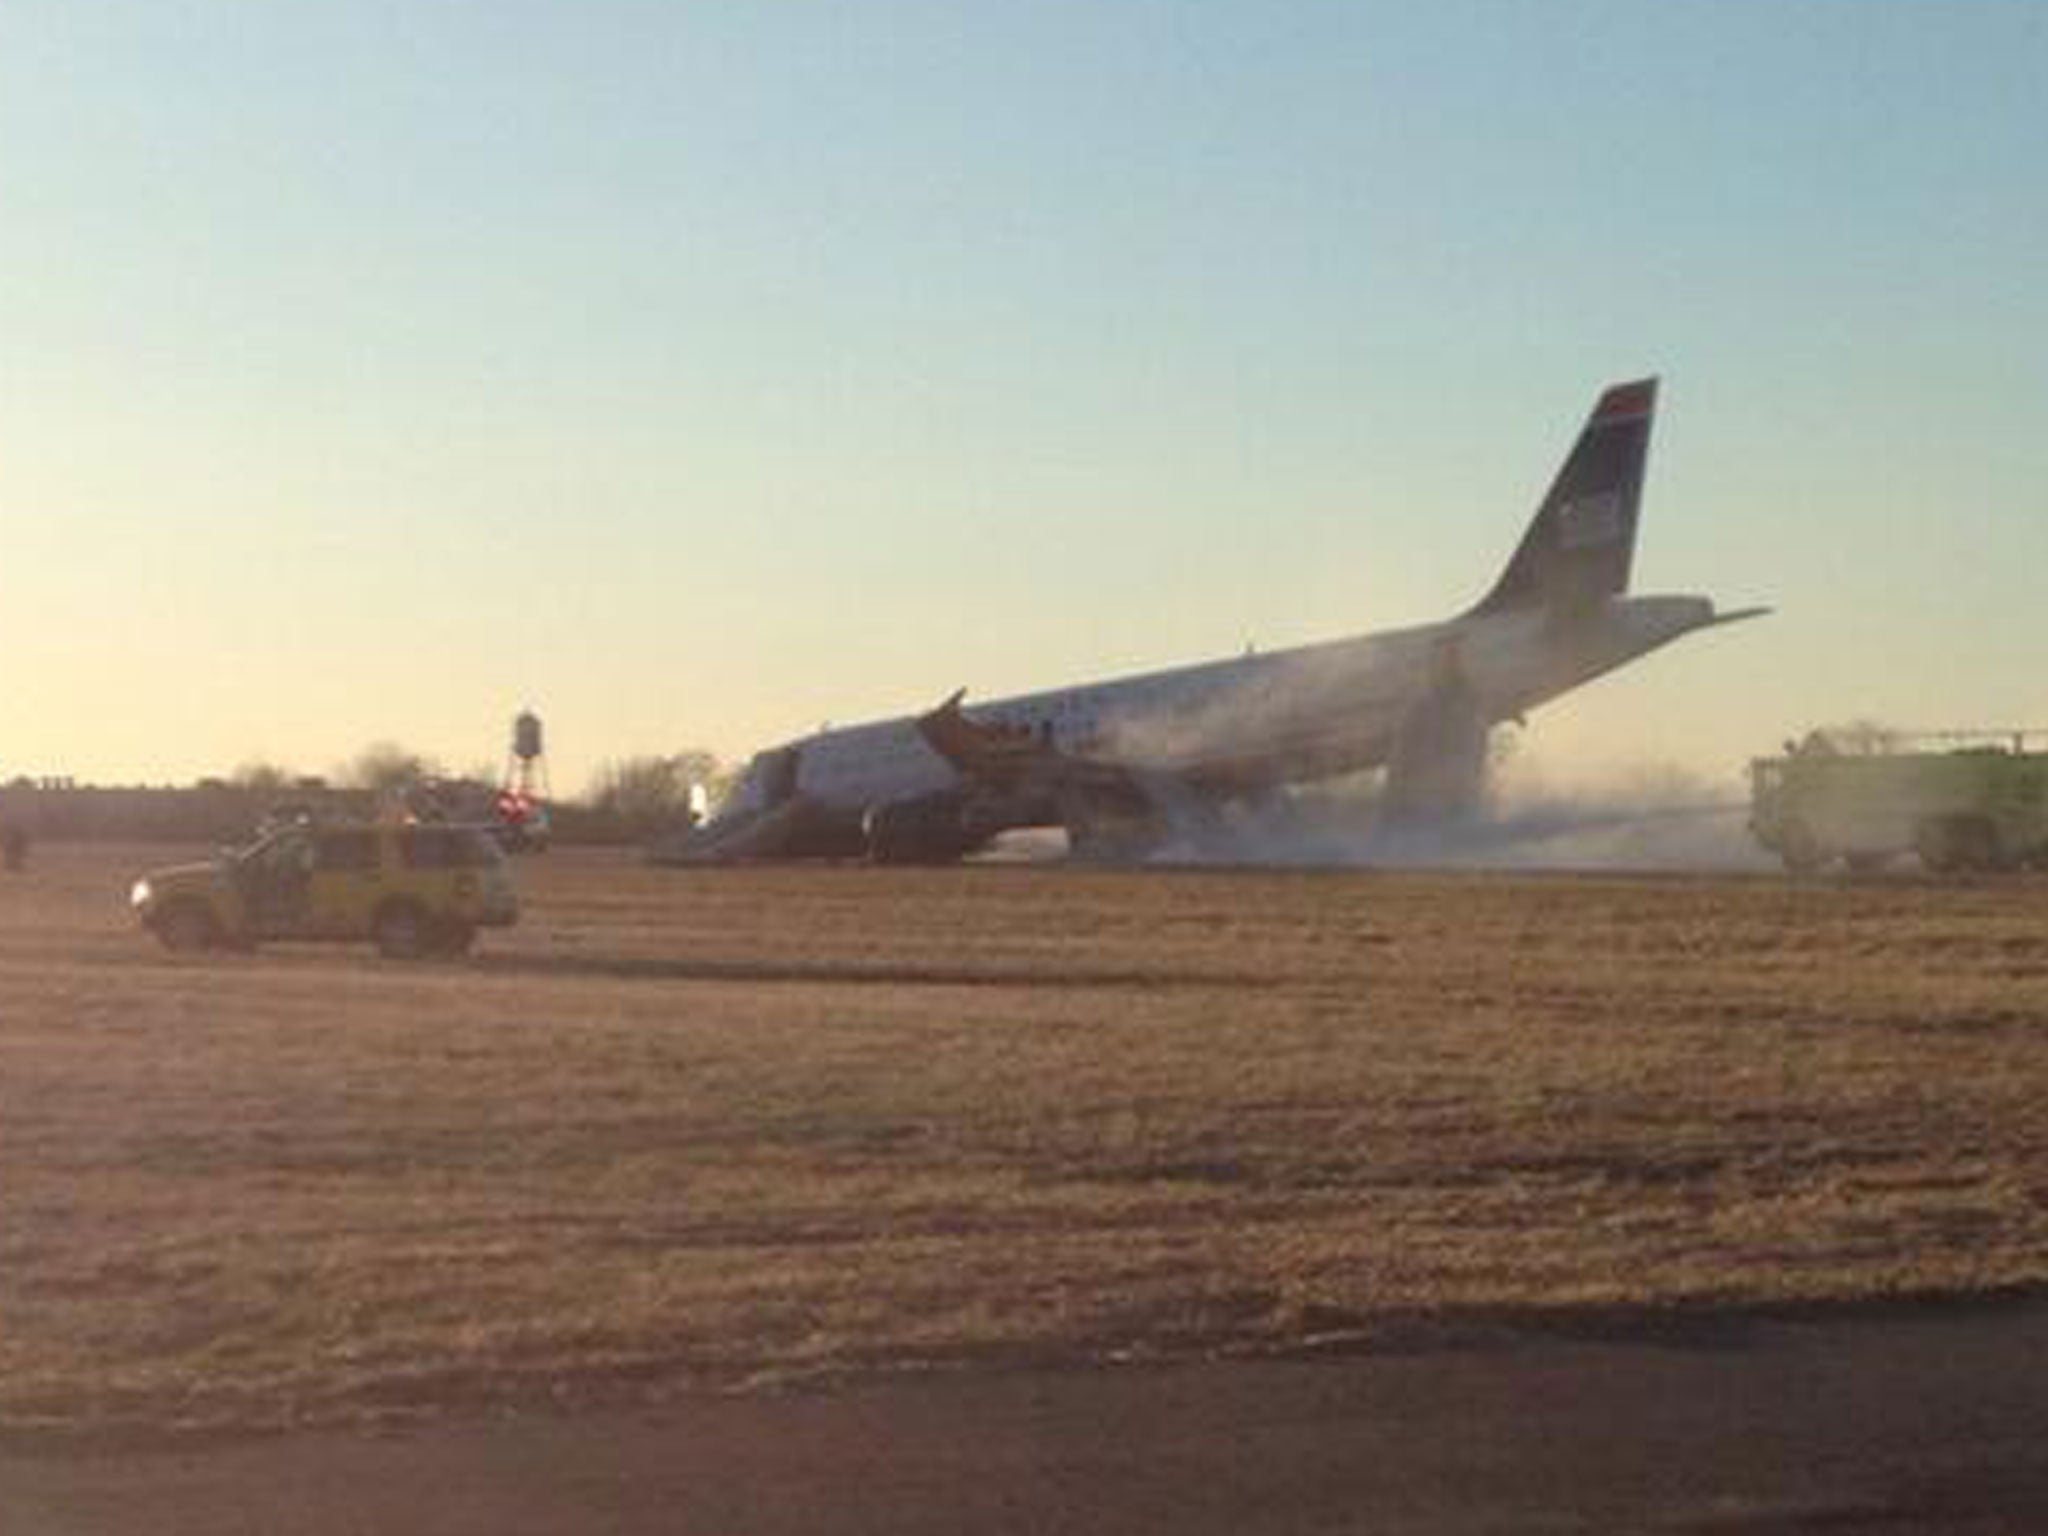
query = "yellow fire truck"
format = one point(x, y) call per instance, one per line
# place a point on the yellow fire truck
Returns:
point(1958, 800)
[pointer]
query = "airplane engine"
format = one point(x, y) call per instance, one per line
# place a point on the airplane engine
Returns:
point(926, 829)
point(1113, 839)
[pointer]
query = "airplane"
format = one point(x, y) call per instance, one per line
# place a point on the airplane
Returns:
point(1134, 764)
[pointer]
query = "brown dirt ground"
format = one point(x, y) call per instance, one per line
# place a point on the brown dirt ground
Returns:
point(742, 1129)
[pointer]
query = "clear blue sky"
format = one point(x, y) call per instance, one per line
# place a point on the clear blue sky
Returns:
point(697, 373)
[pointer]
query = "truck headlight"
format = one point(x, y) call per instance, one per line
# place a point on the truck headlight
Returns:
point(138, 894)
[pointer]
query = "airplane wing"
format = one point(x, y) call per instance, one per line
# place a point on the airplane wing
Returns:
point(1110, 809)
point(1013, 758)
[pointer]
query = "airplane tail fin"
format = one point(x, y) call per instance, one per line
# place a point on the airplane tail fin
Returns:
point(1582, 540)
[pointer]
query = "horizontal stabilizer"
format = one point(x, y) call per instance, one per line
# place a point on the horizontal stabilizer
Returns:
point(1736, 616)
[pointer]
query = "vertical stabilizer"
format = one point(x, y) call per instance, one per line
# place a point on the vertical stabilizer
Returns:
point(1578, 548)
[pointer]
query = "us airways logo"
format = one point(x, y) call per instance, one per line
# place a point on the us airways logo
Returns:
point(1590, 520)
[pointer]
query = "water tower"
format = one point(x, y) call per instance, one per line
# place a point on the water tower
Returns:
point(522, 804)
point(526, 764)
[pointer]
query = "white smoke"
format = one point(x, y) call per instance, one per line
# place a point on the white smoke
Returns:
point(1642, 817)
point(1618, 816)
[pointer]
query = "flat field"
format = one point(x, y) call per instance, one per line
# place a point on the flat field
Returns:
point(684, 1131)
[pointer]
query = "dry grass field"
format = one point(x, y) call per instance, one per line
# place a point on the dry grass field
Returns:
point(691, 1130)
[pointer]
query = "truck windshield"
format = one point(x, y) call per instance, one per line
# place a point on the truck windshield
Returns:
point(274, 851)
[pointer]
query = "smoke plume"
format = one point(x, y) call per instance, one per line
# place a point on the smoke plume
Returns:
point(1641, 817)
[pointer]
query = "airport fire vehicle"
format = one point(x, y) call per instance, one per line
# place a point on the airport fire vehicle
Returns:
point(1958, 800)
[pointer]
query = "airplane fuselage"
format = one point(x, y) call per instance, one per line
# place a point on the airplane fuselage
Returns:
point(1120, 762)
point(1240, 725)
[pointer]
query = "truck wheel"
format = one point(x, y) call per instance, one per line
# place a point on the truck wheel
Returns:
point(1801, 853)
point(186, 927)
point(1953, 844)
point(1974, 842)
point(1936, 848)
point(453, 937)
point(402, 931)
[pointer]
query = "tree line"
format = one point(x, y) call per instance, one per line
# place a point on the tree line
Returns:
point(628, 799)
